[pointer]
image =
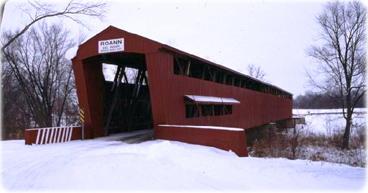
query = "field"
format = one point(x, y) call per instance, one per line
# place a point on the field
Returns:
point(329, 121)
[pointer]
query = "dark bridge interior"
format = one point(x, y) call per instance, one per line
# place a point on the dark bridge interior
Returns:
point(127, 100)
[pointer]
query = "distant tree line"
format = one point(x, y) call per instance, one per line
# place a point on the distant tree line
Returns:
point(313, 100)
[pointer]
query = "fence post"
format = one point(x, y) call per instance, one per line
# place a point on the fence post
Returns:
point(82, 121)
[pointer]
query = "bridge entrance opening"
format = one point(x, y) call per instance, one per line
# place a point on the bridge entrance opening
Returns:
point(127, 104)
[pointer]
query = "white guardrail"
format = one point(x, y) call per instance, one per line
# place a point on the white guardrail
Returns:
point(53, 134)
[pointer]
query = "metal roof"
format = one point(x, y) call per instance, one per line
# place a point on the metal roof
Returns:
point(211, 99)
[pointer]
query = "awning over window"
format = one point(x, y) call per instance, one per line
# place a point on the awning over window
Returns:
point(210, 100)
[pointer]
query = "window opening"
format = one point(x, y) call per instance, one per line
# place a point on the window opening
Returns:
point(196, 69)
point(192, 110)
point(131, 74)
point(109, 71)
point(207, 110)
point(219, 110)
point(219, 77)
point(176, 67)
point(228, 109)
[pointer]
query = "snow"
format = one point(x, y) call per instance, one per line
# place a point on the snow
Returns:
point(323, 121)
point(320, 111)
point(212, 99)
point(106, 163)
point(206, 127)
point(71, 53)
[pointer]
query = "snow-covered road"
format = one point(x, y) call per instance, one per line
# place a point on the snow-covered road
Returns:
point(108, 164)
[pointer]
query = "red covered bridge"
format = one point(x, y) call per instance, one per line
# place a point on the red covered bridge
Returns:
point(179, 95)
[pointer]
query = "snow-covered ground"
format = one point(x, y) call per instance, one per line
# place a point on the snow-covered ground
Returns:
point(328, 123)
point(108, 164)
point(328, 126)
point(320, 111)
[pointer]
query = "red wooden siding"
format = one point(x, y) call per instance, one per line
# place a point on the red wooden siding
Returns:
point(89, 82)
point(167, 94)
point(222, 139)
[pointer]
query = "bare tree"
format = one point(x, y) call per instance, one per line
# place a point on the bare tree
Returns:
point(38, 10)
point(37, 82)
point(43, 74)
point(15, 114)
point(256, 72)
point(340, 56)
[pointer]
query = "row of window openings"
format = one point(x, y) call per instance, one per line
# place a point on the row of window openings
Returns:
point(193, 110)
point(204, 72)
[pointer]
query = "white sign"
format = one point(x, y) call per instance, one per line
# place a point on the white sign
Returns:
point(112, 45)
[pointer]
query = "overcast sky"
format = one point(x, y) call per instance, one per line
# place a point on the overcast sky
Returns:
point(271, 34)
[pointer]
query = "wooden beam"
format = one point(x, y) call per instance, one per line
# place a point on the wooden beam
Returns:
point(115, 79)
point(225, 77)
point(214, 76)
point(136, 84)
point(143, 75)
point(114, 100)
point(145, 78)
point(137, 77)
point(188, 68)
point(125, 77)
point(139, 83)
point(210, 72)
point(181, 70)
point(135, 94)
point(203, 72)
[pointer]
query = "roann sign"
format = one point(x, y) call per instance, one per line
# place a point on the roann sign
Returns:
point(113, 45)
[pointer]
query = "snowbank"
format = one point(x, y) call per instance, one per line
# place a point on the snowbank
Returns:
point(104, 164)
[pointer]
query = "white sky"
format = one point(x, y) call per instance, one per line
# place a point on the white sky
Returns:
point(271, 34)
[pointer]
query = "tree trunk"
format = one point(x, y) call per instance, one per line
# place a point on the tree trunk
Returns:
point(346, 137)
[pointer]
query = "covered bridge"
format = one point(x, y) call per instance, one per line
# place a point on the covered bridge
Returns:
point(180, 96)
